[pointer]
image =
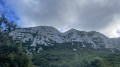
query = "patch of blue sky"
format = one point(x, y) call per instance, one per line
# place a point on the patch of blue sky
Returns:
point(9, 13)
point(118, 31)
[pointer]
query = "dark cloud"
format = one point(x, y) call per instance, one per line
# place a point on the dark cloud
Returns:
point(65, 14)
point(97, 16)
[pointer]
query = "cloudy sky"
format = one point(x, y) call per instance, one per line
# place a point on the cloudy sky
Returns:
point(87, 15)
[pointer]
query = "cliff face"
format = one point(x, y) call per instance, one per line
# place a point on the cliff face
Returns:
point(48, 36)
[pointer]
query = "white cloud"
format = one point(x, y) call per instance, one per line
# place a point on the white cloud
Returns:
point(113, 29)
point(98, 15)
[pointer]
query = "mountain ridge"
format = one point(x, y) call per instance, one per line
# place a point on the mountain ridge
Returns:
point(48, 36)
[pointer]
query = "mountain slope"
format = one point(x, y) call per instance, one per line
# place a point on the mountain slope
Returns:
point(49, 36)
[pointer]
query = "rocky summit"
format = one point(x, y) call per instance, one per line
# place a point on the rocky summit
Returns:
point(49, 36)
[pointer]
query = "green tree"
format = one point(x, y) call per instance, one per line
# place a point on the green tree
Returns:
point(12, 54)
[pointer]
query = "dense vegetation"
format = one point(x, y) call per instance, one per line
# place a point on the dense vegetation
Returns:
point(12, 54)
point(63, 55)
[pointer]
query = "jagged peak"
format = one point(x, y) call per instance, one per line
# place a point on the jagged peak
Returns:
point(48, 27)
point(72, 30)
point(95, 33)
point(54, 30)
point(42, 29)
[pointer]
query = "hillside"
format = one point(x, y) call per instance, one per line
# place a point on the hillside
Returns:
point(48, 36)
point(73, 48)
